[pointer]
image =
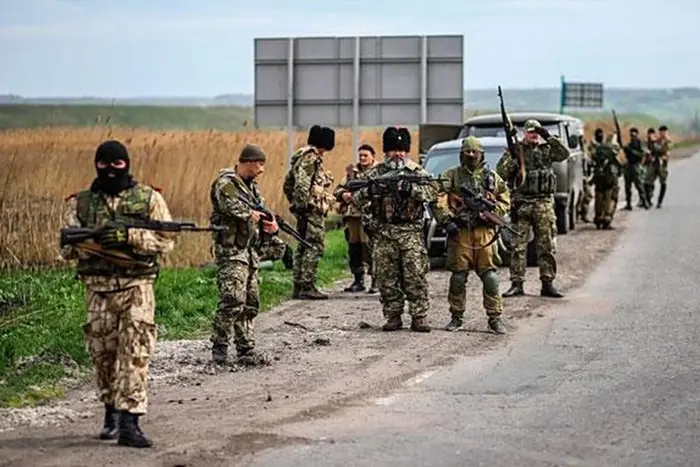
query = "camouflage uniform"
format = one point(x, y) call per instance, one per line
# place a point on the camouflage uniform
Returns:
point(400, 257)
point(657, 167)
point(634, 153)
point(120, 330)
point(311, 200)
point(533, 206)
point(586, 184)
point(359, 240)
point(467, 247)
point(237, 253)
point(607, 182)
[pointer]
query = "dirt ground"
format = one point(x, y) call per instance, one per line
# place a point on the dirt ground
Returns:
point(326, 356)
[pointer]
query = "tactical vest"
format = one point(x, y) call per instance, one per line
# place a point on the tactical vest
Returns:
point(94, 212)
point(540, 180)
point(391, 208)
point(481, 182)
point(289, 179)
point(606, 168)
point(240, 233)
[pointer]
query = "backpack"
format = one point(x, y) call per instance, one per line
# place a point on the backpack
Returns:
point(289, 181)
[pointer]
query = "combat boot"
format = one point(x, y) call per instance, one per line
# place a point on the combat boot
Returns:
point(455, 323)
point(516, 289)
point(110, 429)
point(251, 357)
point(419, 325)
point(311, 293)
point(358, 285)
point(219, 354)
point(393, 324)
point(548, 290)
point(130, 433)
point(496, 325)
point(373, 288)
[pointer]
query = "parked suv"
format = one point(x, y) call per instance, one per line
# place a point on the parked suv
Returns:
point(569, 173)
point(444, 156)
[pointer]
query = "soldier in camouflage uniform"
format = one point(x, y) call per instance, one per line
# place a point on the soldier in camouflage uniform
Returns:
point(400, 257)
point(634, 153)
point(469, 235)
point(533, 204)
point(657, 164)
point(237, 251)
point(606, 178)
point(307, 187)
point(120, 330)
point(359, 241)
point(586, 196)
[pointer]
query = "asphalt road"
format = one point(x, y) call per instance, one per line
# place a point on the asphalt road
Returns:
point(608, 376)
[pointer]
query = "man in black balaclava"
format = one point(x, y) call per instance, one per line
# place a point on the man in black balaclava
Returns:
point(120, 331)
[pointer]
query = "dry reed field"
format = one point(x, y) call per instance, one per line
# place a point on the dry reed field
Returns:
point(40, 168)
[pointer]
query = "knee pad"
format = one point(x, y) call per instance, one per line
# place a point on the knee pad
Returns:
point(490, 281)
point(458, 282)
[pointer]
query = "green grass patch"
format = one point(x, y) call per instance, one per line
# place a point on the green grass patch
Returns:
point(41, 314)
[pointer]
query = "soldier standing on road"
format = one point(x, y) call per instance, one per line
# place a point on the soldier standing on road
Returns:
point(359, 242)
point(606, 179)
point(307, 188)
point(120, 329)
point(469, 235)
point(657, 166)
point(400, 257)
point(533, 204)
point(634, 153)
point(586, 191)
point(237, 251)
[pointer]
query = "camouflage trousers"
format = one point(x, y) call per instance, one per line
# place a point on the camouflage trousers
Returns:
point(121, 338)
point(239, 304)
point(465, 251)
point(359, 246)
point(401, 267)
point(312, 228)
point(537, 214)
point(606, 202)
point(272, 249)
point(584, 203)
point(653, 173)
point(632, 174)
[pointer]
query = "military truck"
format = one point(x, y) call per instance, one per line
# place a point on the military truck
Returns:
point(569, 173)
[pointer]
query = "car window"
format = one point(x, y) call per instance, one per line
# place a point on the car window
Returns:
point(438, 161)
point(497, 130)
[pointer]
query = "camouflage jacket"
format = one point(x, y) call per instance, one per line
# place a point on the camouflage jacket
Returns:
point(483, 181)
point(91, 209)
point(540, 180)
point(312, 183)
point(243, 238)
point(390, 209)
point(352, 172)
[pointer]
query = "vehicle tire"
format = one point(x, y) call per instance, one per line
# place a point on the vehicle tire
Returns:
point(531, 255)
point(572, 212)
point(561, 210)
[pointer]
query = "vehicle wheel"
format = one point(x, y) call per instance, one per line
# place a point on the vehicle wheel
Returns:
point(572, 212)
point(531, 255)
point(561, 210)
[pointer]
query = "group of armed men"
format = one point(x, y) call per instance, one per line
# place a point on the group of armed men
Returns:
point(383, 206)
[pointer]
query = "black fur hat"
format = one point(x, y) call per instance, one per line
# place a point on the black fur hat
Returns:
point(321, 137)
point(396, 139)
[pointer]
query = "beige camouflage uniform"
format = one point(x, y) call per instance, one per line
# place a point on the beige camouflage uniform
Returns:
point(120, 330)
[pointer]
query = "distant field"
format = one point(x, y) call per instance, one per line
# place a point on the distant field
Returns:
point(137, 116)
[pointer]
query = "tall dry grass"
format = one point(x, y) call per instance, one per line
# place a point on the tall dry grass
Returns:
point(39, 168)
point(45, 166)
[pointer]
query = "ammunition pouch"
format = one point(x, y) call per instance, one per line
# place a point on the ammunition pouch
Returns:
point(539, 182)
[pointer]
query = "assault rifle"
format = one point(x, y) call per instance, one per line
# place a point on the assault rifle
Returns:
point(389, 181)
point(510, 134)
point(617, 129)
point(269, 216)
point(476, 203)
point(75, 235)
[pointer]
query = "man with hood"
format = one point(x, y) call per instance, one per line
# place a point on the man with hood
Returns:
point(469, 235)
point(400, 257)
point(237, 251)
point(308, 188)
point(120, 329)
point(533, 204)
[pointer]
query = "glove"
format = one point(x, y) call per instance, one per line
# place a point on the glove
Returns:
point(404, 188)
point(451, 229)
point(113, 236)
point(542, 131)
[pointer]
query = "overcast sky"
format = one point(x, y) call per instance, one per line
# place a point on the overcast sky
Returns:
point(127, 48)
